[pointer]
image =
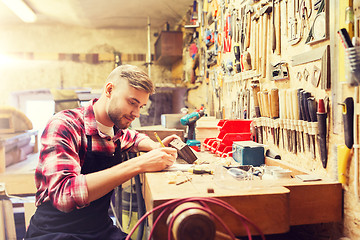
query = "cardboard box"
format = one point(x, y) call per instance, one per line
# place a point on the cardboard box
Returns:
point(172, 121)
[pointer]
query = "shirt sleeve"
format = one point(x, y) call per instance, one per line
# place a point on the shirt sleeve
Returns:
point(58, 173)
point(131, 139)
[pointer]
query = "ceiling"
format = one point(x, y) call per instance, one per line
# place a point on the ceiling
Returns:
point(101, 14)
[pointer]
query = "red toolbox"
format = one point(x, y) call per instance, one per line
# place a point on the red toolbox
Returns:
point(230, 131)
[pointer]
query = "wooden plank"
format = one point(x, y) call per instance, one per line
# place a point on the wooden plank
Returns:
point(19, 184)
point(295, 170)
point(14, 138)
point(312, 204)
point(2, 158)
point(9, 220)
point(2, 222)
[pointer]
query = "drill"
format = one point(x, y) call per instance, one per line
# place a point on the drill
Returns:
point(190, 120)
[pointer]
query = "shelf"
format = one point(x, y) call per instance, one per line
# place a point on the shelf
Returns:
point(168, 47)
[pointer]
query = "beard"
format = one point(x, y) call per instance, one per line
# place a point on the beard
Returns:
point(121, 121)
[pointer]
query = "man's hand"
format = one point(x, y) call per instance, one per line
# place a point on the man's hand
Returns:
point(147, 144)
point(101, 182)
point(157, 159)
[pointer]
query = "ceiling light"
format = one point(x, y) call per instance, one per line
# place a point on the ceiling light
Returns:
point(21, 9)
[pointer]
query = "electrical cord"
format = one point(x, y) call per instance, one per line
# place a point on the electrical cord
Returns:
point(141, 206)
point(131, 203)
point(172, 204)
point(208, 210)
point(203, 209)
point(118, 224)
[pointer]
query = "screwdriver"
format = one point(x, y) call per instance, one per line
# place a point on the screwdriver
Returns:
point(321, 117)
point(200, 171)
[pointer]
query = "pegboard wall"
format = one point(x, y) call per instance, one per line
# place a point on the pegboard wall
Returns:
point(268, 61)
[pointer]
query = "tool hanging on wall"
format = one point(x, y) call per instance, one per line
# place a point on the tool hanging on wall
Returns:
point(317, 4)
point(344, 150)
point(279, 71)
point(322, 135)
point(211, 58)
point(356, 145)
point(238, 49)
point(305, 10)
point(274, 103)
point(246, 61)
point(312, 107)
point(315, 77)
point(242, 29)
point(325, 80)
point(264, 12)
point(255, 89)
point(227, 34)
point(209, 37)
point(235, 25)
point(318, 30)
point(248, 11)
point(348, 121)
point(278, 27)
point(273, 43)
point(295, 35)
point(255, 20)
point(293, 117)
point(282, 113)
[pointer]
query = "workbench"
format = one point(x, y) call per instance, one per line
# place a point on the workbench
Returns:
point(19, 180)
point(14, 141)
point(273, 205)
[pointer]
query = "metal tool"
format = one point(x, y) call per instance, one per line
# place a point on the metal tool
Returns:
point(319, 25)
point(313, 119)
point(295, 37)
point(279, 71)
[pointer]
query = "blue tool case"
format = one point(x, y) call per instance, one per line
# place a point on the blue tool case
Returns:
point(248, 153)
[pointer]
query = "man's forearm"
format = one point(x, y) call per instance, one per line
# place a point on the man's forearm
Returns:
point(102, 182)
point(147, 144)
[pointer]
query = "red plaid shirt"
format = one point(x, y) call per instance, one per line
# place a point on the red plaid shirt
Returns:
point(64, 144)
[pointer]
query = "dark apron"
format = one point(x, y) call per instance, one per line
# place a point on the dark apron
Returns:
point(91, 222)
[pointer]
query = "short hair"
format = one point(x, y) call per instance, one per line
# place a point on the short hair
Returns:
point(135, 76)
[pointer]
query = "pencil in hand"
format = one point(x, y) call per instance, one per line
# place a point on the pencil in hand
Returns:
point(157, 137)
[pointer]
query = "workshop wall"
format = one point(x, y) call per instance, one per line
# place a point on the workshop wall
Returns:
point(228, 86)
point(252, 58)
point(66, 56)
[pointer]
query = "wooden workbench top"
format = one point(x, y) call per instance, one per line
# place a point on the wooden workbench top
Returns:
point(274, 205)
point(200, 184)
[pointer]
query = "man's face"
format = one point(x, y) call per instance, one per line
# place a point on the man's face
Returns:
point(125, 104)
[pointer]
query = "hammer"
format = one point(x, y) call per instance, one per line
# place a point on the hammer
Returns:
point(248, 11)
point(264, 11)
point(255, 19)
